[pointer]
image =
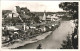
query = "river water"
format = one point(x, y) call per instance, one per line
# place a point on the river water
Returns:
point(54, 40)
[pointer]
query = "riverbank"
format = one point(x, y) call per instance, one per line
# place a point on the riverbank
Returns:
point(54, 40)
point(22, 43)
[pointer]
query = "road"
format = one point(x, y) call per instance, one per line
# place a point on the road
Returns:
point(54, 40)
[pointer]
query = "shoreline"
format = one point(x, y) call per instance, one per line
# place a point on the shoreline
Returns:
point(35, 39)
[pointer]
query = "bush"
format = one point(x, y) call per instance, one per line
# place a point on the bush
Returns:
point(67, 44)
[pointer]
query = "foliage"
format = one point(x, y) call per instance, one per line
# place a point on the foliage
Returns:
point(67, 43)
point(25, 14)
point(72, 7)
point(75, 38)
point(27, 11)
point(5, 13)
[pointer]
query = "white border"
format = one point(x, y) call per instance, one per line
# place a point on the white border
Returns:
point(36, 49)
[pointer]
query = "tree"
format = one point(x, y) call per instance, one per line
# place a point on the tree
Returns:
point(72, 7)
point(18, 9)
point(36, 19)
point(75, 38)
point(67, 43)
point(25, 14)
point(26, 10)
point(5, 13)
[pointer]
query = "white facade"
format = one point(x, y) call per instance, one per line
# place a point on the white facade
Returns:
point(44, 16)
point(52, 17)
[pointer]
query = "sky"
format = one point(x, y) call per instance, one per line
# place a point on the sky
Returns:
point(37, 6)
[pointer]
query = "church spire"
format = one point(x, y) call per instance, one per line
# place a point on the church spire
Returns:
point(44, 16)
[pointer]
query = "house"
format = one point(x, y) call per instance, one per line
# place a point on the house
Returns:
point(52, 17)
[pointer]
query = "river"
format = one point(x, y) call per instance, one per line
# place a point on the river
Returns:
point(54, 40)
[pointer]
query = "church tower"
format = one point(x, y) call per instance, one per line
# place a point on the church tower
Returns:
point(44, 16)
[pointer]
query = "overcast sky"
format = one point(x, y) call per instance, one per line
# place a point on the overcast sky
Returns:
point(51, 6)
